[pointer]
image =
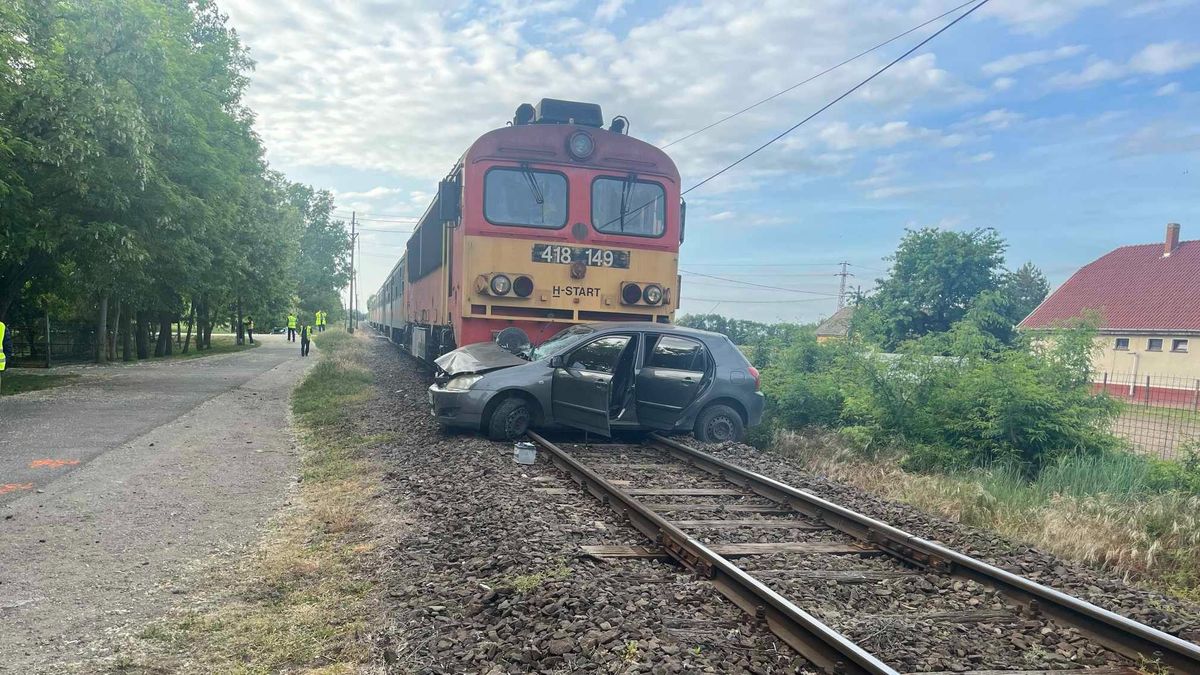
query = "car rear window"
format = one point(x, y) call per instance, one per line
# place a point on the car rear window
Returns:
point(677, 354)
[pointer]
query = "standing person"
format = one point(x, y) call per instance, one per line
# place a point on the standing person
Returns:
point(5, 348)
point(250, 328)
point(324, 321)
point(317, 320)
point(304, 341)
point(291, 326)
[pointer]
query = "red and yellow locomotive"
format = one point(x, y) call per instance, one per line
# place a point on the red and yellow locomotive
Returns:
point(549, 221)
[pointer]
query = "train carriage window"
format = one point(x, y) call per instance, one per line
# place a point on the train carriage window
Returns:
point(525, 198)
point(629, 206)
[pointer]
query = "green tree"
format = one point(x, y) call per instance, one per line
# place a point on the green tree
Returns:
point(1026, 288)
point(934, 278)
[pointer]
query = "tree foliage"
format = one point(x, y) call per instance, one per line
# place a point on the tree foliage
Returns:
point(131, 176)
point(941, 277)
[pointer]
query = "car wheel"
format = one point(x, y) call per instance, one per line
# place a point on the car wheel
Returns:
point(718, 424)
point(509, 420)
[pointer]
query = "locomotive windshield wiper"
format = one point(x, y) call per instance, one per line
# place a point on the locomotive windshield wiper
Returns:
point(533, 186)
point(626, 190)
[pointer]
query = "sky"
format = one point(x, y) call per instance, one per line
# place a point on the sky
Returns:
point(1071, 127)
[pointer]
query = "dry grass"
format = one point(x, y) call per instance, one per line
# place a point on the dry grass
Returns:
point(1150, 536)
point(306, 600)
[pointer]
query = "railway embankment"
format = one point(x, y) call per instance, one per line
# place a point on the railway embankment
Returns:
point(411, 549)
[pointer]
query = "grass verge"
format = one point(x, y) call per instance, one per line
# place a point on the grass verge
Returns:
point(13, 381)
point(221, 344)
point(307, 598)
point(1105, 511)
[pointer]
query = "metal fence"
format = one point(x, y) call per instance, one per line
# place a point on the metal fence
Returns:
point(69, 342)
point(1160, 414)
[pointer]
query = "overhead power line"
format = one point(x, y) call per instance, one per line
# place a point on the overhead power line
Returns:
point(749, 283)
point(391, 215)
point(820, 74)
point(370, 229)
point(849, 91)
point(758, 302)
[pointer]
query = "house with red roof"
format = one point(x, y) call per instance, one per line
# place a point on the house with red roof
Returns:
point(1148, 299)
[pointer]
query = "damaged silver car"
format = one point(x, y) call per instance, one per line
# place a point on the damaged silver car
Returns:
point(601, 377)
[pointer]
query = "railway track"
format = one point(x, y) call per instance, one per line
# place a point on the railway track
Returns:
point(850, 593)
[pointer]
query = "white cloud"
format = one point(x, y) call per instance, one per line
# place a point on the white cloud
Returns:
point(841, 136)
point(1003, 83)
point(1168, 89)
point(1000, 118)
point(1161, 138)
point(374, 193)
point(1159, 58)
point(610, 10)
point(1014, 62)
point(405, 87)
point(981, 157)
point(1147, 7)
point(1038, 16)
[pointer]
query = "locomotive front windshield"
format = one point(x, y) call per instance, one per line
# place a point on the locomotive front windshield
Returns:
point(525, 198)
point(629, 206)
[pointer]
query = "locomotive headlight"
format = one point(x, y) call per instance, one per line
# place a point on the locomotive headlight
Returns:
point(631, 293)
point(523, 286)
point(500, 284)
point(580, 145)
point(653, 294)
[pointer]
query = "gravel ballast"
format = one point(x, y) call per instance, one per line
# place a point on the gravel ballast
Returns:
point(489, 578)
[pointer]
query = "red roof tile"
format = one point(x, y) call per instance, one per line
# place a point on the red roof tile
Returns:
point(1133, 288)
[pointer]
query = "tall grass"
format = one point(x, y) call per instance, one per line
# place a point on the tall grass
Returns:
point(1104, 510)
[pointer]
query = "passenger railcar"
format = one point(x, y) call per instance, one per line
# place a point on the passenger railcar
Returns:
point(551, 220)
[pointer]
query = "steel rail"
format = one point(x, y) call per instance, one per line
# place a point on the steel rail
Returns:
point(821, 645)
point(1118, 633)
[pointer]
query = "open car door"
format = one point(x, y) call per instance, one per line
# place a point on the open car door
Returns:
point(670, 380)
point(580, 392)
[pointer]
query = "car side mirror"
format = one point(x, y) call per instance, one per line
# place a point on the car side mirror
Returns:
point(558, 361)
point(449, 201)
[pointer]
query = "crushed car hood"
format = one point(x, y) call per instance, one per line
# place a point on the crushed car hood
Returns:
point(480, 357)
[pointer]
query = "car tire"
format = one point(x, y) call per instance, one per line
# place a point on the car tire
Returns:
point(718, 424)
point(509, 420)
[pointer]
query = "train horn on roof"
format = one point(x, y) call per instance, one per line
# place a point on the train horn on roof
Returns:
point(524, 114)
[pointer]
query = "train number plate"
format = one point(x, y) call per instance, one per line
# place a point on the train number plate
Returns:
point(592, 257)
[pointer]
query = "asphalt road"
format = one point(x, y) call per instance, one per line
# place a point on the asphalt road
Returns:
point(117, 486)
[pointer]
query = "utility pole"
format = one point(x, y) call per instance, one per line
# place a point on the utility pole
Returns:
point(842, 286)
point(353, 241)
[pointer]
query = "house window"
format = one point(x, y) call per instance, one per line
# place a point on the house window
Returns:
point(1122, 344)
point(1179, 345)
point(1154, 345)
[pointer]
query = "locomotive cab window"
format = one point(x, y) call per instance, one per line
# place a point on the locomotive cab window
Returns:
point(525, 198)
point(629, 206)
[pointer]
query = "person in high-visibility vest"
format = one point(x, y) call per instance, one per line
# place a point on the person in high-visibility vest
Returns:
point(5, 348)
point(292, 327)
point(249, 323)
point(317, 320)
point(324, 321)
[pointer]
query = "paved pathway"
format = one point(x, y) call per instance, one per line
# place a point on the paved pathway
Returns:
point(115, 485)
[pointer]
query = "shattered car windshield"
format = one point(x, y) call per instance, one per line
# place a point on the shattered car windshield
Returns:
point(560, 340)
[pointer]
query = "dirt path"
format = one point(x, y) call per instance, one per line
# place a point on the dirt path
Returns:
point(176, 462)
